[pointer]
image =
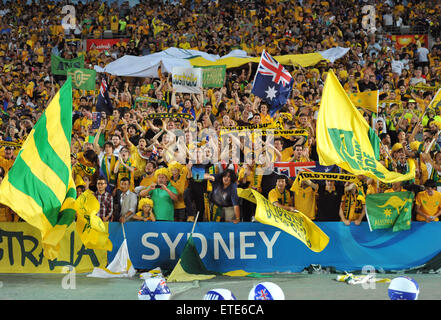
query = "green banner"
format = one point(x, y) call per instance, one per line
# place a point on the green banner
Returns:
point(213, 76)
point(59, 66)
point(148, 99)
point(83, 79)
point(389, 210)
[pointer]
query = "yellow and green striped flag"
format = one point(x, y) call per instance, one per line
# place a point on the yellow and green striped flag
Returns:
point(39, 186)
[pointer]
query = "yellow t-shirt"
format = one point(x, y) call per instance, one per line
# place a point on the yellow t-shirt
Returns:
point(147, 181)
point(82, 122)
point(352, 206)
point(265, 118)
point(138, 161)
point(254, 179)
point(287, 154)
point(282, 198)
point(141, 214)
point(181, 184)
point(40, 55)
point(145, 88)
point(305, 201)
point(6, 163)
point(114, 23)
point(302, 159)
point(430, 205)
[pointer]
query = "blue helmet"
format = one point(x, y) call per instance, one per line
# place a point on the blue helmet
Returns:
point(154, 289)
point(219, 294)
point(403, 288)
point(266, 291)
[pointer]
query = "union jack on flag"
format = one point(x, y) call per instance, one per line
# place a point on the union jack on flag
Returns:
point(291, 169)
point(262, 295)
point(272, 82)
point(270, 67)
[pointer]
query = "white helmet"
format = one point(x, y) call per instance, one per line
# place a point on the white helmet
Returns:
point(219, 294)
point(403, 288)
point(154, 289)
point(266, 291)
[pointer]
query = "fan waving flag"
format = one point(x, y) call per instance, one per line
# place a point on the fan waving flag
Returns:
point(39, 186)
point(104, 103)
point(90, 227)
point(344, 138)
point(272, 83)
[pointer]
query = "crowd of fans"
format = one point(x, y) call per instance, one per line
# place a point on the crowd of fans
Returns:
point(141, 168)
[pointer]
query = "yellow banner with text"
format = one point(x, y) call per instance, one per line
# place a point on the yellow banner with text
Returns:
point(21, 251)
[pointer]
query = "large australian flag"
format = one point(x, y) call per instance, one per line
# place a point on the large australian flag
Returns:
point(272, 83)
point(104, 103)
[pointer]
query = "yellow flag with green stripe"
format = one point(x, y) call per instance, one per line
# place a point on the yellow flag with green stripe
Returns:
point(344, 138)
point(39, 186)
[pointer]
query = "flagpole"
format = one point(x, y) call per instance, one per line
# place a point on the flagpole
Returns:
point(123, 230)
point(431, 143)
point(431, 102)
point(387, 152)
point(428, 106)
point(194, 223)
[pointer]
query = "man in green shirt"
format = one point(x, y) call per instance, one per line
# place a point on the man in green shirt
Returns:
point(163, 195)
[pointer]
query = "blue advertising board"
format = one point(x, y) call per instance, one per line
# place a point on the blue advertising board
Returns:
point(255, 247)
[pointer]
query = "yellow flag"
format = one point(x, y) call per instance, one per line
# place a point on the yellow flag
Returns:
point(367, 100)
point(90, 227)
point(295, 223)
point(436, 101)
point(343, 137)
point(304, 60)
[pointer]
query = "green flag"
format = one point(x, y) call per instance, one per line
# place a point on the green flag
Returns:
point(190, 266)
point(389, 210)
point(82, 78)
point(213, 76)
point(59, 66)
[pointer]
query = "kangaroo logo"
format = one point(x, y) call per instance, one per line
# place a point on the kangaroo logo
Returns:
point(395, 202)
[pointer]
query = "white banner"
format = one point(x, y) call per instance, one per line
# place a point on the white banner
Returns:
point(187, 80)
point(334, 53)
point(120, 267)
point(147, 66)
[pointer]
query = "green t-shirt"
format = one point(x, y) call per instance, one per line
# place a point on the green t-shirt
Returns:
point(122, 25)
point(163, 206)
point(101, 140)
